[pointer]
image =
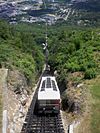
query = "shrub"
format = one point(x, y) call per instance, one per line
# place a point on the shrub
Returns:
point(90, 73)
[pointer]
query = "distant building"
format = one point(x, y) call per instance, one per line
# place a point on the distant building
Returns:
point(39, 1)
point(51, 0)
point(78, 0)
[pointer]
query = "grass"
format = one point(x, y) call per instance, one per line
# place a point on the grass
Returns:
point(0, 111)
point(1, 103)
point(95, 117)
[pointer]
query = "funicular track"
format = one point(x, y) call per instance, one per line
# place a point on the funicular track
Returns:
point(44, 123)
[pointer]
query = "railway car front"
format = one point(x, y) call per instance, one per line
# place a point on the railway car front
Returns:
point(48, 96)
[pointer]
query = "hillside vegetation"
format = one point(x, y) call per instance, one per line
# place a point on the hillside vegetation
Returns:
point(85, 13)
point(95, 124)
point(94, 86)
point(74, 56)
point(20, 49)
point(0, 110)
point(72, 50)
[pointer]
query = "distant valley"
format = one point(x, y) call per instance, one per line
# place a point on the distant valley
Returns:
point(73, 12)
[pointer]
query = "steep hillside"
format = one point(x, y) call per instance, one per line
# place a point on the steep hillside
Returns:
point(74, 57)
point(20, 49)
point(21, 53)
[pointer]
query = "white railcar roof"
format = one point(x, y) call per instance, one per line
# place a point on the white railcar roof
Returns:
point(48, 89)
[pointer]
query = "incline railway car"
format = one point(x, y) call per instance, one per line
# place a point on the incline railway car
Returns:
point(48, 96)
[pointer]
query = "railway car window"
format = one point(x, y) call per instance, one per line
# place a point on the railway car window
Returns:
point(54, 86)
point(48, 85)
point(43, 86)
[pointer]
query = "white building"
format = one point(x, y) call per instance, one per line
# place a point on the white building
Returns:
point(39, 1)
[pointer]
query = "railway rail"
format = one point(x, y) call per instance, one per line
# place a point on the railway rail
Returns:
point(44, 124)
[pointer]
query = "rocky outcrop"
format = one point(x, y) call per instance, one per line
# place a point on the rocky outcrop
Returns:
point(17, 82)
point(19, 100)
